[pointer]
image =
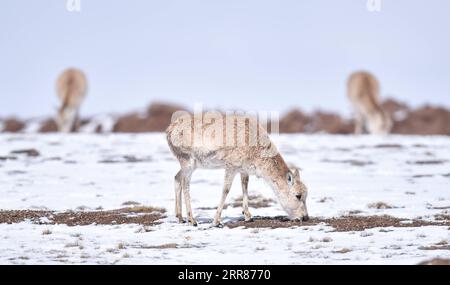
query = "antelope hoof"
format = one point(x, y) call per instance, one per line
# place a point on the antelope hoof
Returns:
point(298, 220)
point(217, 224)
point(181, 220)
point(193, 222)
point(247, 216)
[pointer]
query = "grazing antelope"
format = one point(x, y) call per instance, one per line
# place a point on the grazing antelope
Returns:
point(238, 144)
point(363, 90)
point(71, 88)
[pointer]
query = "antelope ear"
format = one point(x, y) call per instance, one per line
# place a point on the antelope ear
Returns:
point(295, 171)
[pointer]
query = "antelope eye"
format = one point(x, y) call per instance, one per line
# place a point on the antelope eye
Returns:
point(299, 197)
point(290, 179)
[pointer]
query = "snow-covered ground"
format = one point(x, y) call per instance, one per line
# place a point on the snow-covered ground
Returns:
point(344, 174)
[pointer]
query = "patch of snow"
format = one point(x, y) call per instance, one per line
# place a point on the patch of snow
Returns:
point(71, 173)
point(400, 115)
point(106, 122)
point(33, 125)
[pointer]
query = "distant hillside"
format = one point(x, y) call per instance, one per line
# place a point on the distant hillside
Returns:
point(425, 120)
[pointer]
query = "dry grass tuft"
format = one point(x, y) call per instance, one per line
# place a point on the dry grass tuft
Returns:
point(46, 232)
point(343, 250)
point(130, 203)
point(380, 205)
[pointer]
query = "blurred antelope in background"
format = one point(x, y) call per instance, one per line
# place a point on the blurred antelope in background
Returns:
point(363, 90)
point(71, 88)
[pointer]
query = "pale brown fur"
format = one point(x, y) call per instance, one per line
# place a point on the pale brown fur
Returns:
point(239, 155)
point(363, 90)
point(71, 89)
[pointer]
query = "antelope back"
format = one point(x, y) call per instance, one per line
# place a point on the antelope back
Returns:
point(71, 88)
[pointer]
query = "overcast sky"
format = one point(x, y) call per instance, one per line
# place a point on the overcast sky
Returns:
point(247, 54)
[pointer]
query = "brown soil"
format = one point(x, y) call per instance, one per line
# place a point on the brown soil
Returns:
point(330, 123)
point(442, 217)
point(435, 247)
point(9, 157)
point(132, 215)
point(380, 205)
point(48, 126)
point(149, 216)
point(422, 176)
point(353, 162)
point(162, 246)
point(436, 261)
point(341, 224)
point(393, 107)
point(294, 122)
point(29, 152)
point(130, 203)
point(13, 125)
point(395, 146)
point(126, 159)
point(131, 123)
point(157, 119)
point(325, 200)
point(427, 162)
point(427, 120)
point(343, 250)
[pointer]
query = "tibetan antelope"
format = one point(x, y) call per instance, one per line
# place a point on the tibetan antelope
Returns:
point(238, 144)
point(363, 90)
point(71, 87)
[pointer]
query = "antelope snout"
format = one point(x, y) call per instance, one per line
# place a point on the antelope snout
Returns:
point(301, 219)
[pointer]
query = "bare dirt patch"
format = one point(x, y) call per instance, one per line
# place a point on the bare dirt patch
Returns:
point(445, 216)
point(126, 159)
point(210, 208)
point(354, 212)
point(352, 162)
point(343, 250)
point(380, 205)
point(427, 162)
point(436, 261)
point(429, 206)
point(423, 176)
point(435, 247)
point(340, 224)
point(8, 157)
point(132, 215)
point(17, 216)
point(16, 172)
point(12, 125)
point(325, 199)
point(419, 145)
point(425, 120)
point(395, 146)
point(161, 246)
point(29, 152)
point(130, 203)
